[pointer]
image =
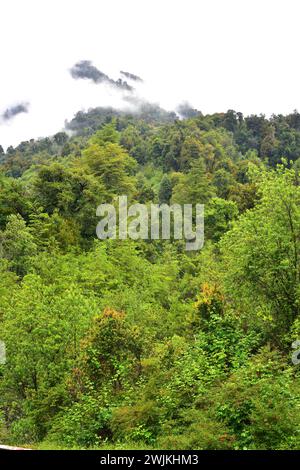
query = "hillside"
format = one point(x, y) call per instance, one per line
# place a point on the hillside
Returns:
point(140, 343)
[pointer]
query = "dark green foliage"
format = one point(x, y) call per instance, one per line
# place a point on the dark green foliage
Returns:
point(165, 190)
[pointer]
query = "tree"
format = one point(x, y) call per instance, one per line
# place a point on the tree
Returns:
point(112, 165)
point(71, 193)
point(219, 215)
point(261, 254)
point(17, 244)
point(269, 145)
point(60, 138)
point(223, 181)
point(112, 349)
point(165, 190)
point(107, 134)
point(194, 187)
point(191, 150)
point(14, 199)
point(48, 323)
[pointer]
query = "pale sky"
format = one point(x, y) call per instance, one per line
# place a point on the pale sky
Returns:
point(216, 54)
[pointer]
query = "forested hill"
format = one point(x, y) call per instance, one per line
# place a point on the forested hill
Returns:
point(141, 344)
point(150, 130)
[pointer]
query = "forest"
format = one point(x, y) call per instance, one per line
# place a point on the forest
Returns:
point(140, 344)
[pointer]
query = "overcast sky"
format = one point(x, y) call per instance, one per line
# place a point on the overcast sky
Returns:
point(216, 54)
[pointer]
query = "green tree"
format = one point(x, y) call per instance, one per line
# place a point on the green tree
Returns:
point(107, 134)
point(194, 187)
point(112, 165)
point(17, 244)
point(261, 254)
point(49, 322)
point(219, 215)
point(165, 190)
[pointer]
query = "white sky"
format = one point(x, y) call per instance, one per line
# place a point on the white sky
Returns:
point(217, 54)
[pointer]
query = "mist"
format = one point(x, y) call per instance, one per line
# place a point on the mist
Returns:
point(73, 88)
point(13, 111)
point(85, 70)
point(175, 49)
point(131, 76)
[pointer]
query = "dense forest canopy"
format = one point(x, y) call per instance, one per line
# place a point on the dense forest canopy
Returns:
point(140, 343)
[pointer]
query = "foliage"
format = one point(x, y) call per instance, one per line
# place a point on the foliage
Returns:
point(140, 344)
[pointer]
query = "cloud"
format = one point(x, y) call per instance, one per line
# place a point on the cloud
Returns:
point(77, 89)
point(84, 69)
point(131, 76)
point(186, 110)
point(13, 111)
